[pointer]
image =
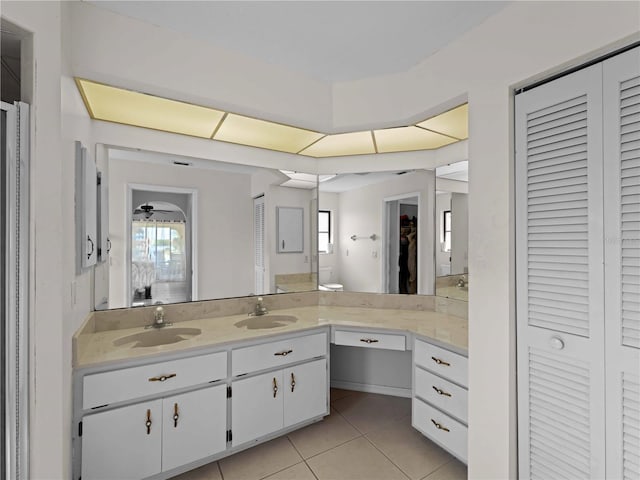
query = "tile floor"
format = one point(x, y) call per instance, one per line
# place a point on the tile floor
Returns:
point(366, 437)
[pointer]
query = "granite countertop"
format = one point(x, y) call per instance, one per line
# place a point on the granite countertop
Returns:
point(95, 348)
point(458, 293)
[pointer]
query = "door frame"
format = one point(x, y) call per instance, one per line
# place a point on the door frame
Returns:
point(386, 227)
point(192, 224)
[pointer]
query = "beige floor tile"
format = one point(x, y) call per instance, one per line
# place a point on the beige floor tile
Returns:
point(207, 472)
point(297, 472)
point(338, 393)
point(322, 436)
point(454, 470)
point(413, 453)
point(367, 411)
point(355, 460)
point(260, 461)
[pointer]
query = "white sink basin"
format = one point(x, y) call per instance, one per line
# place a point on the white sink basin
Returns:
point(266, 321)
point(156, 337)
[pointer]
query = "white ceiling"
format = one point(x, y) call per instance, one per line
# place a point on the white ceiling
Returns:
point(327, 40)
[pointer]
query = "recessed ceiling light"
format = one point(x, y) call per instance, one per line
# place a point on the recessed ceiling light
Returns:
point(405, 139)
point(263, 134)
point(454, 123)
point(354, 143)
point(141, 110)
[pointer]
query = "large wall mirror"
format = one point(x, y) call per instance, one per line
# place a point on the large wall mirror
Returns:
point(184, 229)
point(452, 231)
point(376, 232)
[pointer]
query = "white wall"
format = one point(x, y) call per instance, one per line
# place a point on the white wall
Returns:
point(525, 41)
point(285, 263)
point(459, 232)
point(361, 214)
point(330, 201)
point(224, 241)
point(443, 202)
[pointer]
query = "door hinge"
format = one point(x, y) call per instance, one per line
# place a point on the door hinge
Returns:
point(80, 429)
point(229, 391)
point(229, 436)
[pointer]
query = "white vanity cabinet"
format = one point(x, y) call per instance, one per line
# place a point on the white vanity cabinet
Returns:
point(150, 437)
point(293, 392)
point(439, 407)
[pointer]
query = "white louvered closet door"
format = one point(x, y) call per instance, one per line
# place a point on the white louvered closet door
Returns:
point(621, 97)
point(258, 244)
point(559, 257)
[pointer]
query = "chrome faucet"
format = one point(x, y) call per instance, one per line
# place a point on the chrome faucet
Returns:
point(158, 319)
point(259, 309)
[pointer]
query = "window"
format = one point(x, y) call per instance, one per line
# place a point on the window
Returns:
point(446, 230)
point(324, 231)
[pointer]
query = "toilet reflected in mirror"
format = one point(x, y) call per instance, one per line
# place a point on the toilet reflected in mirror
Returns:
point(326, 282)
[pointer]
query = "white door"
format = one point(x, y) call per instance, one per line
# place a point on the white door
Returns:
point(90, 242)
point(258, 244)
point(256, 407)
point(290, 225)
point(305, 392)
point(124, 443)
point(194, 426)
point(392, 237)
point(621, 91)
point(560, 304)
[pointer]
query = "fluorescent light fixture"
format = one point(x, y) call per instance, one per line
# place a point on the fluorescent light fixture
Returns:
point(263, 134)
point(141, 110)
point(454, 123)
point(354, 143)
point(405, 139)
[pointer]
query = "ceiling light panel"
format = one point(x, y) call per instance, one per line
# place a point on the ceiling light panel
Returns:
point(355, 143)
point(141, 110)
point(454, 123)
point(405, 139)
point(263, 134)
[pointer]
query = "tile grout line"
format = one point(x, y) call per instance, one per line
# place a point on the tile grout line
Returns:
point(385, 456)
point(334, 447)
point(220, 470)
point(304, 460)
point(440, 467)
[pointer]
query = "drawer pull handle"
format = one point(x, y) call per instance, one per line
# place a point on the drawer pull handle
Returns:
point(369, 340)
point(162, 378)
point(275, 387)
point(441, 392)
point(293, 381)
point(440, 362)
point(148, 422)
point(283, 353)
point(176, 416)
point(439, 427)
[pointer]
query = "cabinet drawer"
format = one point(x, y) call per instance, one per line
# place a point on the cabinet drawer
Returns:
point(443, 362)
point(443, 394)
point(451, 435)
point(279, 352)
point(387, 341)
point(128, 383)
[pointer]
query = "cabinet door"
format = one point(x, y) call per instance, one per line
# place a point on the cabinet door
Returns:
point(194, 426)
point(256, 407)
point(290, 229)
point(88, 207)
point(305, 392)
point(560, 296)
point(119, 444)
point(621, 91)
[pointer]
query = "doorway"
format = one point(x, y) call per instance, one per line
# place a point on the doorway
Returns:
point(161, 256)
point(401, 244)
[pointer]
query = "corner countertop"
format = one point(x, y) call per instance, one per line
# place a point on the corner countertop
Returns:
point(96, 349)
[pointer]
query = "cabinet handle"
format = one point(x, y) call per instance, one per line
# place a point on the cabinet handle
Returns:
point(148, 422)
point(441, 392)
point(283, 353)
point(108, 245)
point(283, 244)
point(440, 362)
point(275, 387)
point(92, 247)
point(162, 378)
point(439, 427)
point(293, 381)
point(176, 416)
point(369, 340)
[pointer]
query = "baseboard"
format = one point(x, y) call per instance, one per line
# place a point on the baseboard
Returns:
point(381, 389)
